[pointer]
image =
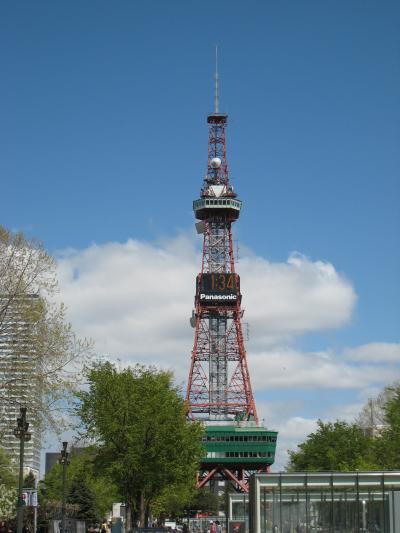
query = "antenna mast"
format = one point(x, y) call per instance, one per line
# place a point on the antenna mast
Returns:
point(216, 95)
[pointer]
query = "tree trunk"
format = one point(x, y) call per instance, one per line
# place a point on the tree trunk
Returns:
point(147, 514)
point(142, 510)
point(128, 516)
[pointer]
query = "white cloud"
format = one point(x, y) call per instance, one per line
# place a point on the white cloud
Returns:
point(294, 297)
point(134, 299)
point(375, 352)
point(288, 368)
point(348, 412)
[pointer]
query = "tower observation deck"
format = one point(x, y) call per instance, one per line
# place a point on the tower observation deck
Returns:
point(219, 390)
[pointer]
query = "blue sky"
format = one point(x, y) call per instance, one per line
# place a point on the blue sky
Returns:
point(103, 138)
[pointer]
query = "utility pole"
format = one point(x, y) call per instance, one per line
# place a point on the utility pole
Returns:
point(21, 432)
point(64, 462)
point(35, 510)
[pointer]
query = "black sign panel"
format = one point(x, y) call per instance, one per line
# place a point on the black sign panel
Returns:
point(218, 288)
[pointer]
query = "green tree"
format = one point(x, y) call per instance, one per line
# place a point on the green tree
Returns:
point(8, 483)
point(387, 442)
point(30, 481)
point(207, 501)
point(372, 416)
point(81, 495)
point(8, 476)
point(333, 446)
point(40, 353)
point(145, 443)
point(177, 501)
point(90, 494)
point(172, 501)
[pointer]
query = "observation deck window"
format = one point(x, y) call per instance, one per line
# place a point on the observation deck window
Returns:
point(239, 438)
point(248, 454)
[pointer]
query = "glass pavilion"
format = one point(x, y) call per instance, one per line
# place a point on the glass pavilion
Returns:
point(311, 502)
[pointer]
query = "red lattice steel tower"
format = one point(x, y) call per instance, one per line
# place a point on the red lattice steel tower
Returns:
point(219, 386)
point(219, 390)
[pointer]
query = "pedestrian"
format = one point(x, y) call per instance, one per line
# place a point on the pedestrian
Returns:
point(219, 527)
point(104, 526)
point(213, 527)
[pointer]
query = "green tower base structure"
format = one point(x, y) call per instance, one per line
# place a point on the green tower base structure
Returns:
point(234, 452)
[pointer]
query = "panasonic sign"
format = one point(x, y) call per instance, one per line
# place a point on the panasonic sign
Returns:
point(217, 297)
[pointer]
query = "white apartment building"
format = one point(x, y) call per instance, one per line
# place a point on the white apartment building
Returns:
point(18, 384)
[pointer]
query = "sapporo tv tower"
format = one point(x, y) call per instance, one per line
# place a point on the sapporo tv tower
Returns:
point(219, 390)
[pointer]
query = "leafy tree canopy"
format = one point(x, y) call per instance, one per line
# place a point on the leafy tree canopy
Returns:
point(387, 441)
point(206, 501)
point(145, 443)
point(177, 501)
point(30, 481)
point(371, 443)
point(8, 484)
point(8, 476)
point(372, 416)
point(82, 495)
point(90, 494)
point(333, 446)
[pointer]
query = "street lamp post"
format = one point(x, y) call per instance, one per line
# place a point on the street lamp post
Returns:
point(21, 432)
point(64, 462)
point(364, 516)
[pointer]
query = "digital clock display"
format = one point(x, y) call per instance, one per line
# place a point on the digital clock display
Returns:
point(219, 283)
point(218, 288)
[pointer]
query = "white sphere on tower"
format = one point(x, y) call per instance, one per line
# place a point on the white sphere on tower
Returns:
point(215, 162)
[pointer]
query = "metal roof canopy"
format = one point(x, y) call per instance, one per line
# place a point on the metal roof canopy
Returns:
point(386, 478)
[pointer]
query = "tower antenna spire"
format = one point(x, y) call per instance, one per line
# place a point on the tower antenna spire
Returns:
point(216, 94)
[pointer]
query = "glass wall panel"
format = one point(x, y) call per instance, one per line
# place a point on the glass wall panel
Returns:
point(290, 519)
point(344, 511)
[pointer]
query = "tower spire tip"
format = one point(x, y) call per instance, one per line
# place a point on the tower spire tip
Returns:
point(216, 94)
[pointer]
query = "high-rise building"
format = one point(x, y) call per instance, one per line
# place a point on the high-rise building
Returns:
point(19, 383)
